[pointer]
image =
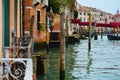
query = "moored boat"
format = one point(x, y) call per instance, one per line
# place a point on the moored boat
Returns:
point(113, 37)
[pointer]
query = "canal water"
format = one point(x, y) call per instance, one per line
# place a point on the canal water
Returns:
point(101, 63)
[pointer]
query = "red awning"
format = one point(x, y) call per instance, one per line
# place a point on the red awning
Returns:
point(83, 23)
point(75, 21)
point(115, 24)
point(112, 24)
point(102, 25)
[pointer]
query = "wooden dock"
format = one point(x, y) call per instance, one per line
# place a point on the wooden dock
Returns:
point(54, 40)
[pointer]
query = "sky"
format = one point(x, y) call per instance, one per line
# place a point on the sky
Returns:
point(110, 6)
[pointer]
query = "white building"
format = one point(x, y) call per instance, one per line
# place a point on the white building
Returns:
point(98, 16)
point(116, 17)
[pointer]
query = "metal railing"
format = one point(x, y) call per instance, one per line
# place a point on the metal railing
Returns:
point(18, 69)
point(16, 63)
point(21, 48)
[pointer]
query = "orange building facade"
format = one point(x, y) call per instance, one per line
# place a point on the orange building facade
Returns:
point(15, 16)
point(9, 21)
point(0, 28)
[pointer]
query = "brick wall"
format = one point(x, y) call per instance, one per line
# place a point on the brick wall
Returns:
point(39, 36)
point(56, 22)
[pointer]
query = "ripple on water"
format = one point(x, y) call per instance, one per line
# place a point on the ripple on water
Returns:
point(101, 63)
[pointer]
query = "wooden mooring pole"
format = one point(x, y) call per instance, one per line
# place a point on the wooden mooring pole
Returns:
point(101, 33)
point(89, 40)
point(62, 48)
point(67, 32)
point(47, 36)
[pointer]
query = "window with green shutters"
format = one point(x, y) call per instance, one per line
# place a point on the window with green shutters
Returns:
point(6, 22)
point(15, 15)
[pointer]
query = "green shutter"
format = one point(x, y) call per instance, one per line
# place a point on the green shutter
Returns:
point(6, 22)
point(15, 15)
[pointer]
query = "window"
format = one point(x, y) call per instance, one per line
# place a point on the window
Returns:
point(80, 19)
point(84, 13)
point(88, 19)
point(84, 19)
point(95, 15)
point(38, 20)
point(6, 22)
point(88, 14)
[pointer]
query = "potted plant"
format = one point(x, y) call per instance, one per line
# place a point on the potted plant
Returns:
point(42, 26)
point(51, 27)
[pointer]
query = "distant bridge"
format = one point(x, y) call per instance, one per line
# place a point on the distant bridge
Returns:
point(111, 24)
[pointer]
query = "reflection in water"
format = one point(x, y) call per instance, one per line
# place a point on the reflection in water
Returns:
point(89, 63)
point(101, 63)
point(40, 78)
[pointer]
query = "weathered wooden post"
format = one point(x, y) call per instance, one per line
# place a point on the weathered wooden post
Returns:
point(95, 36)
point(62, 48)
point(117, 32)
point(31, 33)
point(101, 32)
point(67, 31)
point(89, 40)
point(47, 36)
point(40, 65)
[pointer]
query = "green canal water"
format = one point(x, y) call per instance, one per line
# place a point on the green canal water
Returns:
point(101, 63)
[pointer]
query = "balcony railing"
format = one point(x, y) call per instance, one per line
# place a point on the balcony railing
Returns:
point(18, 69)
point(21, 48)
point(16, 62)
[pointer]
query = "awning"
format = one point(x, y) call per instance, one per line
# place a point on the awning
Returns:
point(111, 24)
point(115, 24)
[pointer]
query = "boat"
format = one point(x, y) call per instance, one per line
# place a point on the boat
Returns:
point(85, 34)
point(113, 37)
